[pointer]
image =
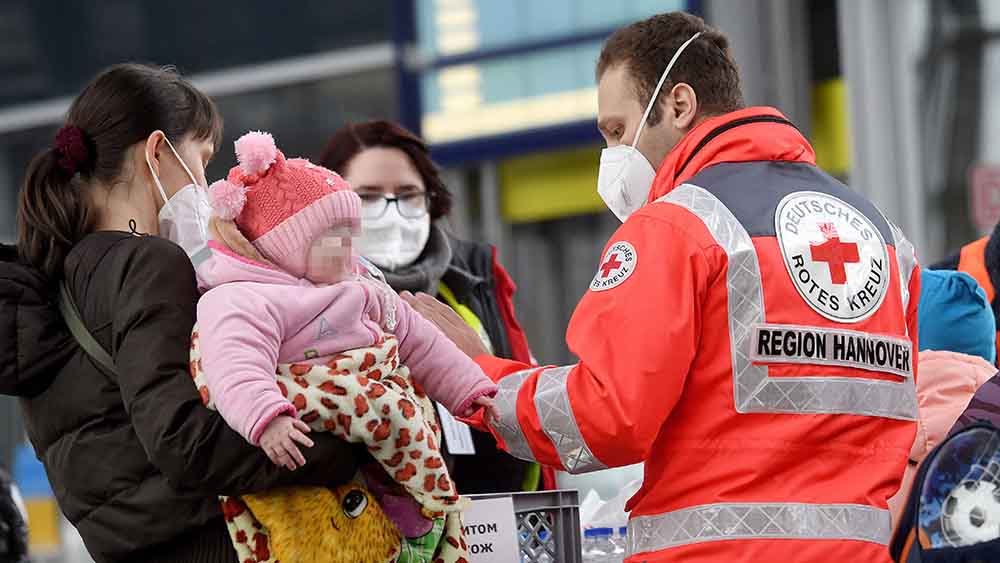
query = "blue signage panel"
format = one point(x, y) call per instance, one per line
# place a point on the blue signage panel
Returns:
point(484, 79)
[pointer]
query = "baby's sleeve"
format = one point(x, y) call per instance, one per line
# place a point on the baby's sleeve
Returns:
point(437, 364)
point(240, 334)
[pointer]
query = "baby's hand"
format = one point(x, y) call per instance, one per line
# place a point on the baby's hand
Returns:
point(278, 441)
point(485, 402)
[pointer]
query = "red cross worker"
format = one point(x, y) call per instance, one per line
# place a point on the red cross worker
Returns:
point(749, 334)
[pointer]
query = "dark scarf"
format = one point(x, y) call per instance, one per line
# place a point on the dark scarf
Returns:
point(425, 274)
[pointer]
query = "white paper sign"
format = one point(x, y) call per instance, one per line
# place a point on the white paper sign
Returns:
point(457, 436)
point(491, 531)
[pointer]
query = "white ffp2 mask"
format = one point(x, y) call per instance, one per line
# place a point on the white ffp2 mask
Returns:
point(392, 241)
point(626, 176)
point(184, 216)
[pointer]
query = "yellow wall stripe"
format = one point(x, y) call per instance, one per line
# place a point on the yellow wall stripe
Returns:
point(831, 135)
point(43, 524)
point(551, 185)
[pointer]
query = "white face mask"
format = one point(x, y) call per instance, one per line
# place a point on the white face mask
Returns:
point(184, 216)
point(393, 241)
point(626, 176)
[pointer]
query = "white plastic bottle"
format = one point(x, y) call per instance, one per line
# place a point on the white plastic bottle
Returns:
point(621, 545)
point(588, 543)
point(597, 545)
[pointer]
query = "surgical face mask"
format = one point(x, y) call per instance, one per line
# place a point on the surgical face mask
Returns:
point(184, 216)
point(626, 176)
point(393, 241)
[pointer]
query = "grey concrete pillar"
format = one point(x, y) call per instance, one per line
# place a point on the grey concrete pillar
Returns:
point(879, 60)
point(770, 40)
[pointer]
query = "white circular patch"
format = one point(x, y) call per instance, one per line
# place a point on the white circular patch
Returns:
point(616, 267)
point(835, 255)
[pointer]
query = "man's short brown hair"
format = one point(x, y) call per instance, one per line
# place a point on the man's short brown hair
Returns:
point(707, 65)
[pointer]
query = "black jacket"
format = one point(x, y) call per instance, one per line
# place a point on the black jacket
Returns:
point(135, 463)
point(470, 276)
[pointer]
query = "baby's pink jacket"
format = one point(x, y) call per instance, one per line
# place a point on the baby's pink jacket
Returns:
point(254, 317)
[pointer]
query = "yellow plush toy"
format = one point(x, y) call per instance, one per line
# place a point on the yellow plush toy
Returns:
point(309, 525)
point(363, 396)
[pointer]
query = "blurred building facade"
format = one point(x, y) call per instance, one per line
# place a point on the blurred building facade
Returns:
point(894, 95)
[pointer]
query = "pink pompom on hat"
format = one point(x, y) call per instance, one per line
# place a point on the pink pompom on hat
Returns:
point(282, 205)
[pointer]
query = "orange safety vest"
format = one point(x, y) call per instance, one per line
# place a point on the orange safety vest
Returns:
point(750, 335)
point(972, 261)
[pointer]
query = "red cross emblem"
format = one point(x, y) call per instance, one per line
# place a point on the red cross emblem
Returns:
point(611, 265)
point(835, 253)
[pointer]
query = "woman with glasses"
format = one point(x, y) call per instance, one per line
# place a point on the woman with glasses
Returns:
point(403, 203)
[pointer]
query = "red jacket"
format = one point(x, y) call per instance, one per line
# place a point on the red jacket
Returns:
point(749, 335)
point(505, 290)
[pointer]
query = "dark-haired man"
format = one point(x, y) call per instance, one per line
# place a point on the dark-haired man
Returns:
point(749, 334)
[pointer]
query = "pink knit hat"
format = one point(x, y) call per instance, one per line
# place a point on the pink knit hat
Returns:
point(281, 205)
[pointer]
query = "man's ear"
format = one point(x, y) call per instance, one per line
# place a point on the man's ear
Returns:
point(683, 106)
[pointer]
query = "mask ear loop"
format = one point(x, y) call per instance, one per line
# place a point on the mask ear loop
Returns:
point(156, 178)
point(656, 91)
point(181, 160)
point(202, 217)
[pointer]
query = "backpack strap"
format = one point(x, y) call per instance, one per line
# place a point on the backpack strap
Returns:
point(78, 329)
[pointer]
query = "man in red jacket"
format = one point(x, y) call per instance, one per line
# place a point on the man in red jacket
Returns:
point(749, 334)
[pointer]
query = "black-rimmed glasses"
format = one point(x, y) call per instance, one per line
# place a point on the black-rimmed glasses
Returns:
point(411, 205)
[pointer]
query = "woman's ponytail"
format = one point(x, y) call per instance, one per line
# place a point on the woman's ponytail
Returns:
point(53, 213)
point(120, 108)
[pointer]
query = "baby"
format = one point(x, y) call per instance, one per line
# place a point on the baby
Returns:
point(308, 302)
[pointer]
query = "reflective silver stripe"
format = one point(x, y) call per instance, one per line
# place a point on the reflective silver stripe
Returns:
point(508, 426)
point(554, 414)
point(906, 257)
point(834, 395)
point(754, 391)
point(752, 521)
point(558, 422)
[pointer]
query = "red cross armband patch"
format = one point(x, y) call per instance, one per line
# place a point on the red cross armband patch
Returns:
point(617, 266)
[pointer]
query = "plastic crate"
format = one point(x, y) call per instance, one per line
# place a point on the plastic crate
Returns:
point(548, 525)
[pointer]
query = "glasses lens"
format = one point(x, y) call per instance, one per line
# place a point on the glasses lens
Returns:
point(413, 206)
point(372, 206)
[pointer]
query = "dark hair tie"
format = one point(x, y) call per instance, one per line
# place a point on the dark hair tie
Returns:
point(74, 153)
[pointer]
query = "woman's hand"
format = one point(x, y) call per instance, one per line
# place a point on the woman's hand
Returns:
point(279, 438)
point(448, 321)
